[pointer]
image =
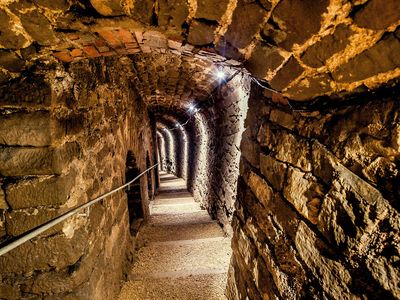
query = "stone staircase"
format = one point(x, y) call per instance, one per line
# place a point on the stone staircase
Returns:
point(183, 254)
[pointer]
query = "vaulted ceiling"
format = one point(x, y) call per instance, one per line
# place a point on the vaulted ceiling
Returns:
point(304, 49)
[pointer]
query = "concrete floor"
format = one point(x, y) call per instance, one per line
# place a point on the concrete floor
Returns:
point(183, 254)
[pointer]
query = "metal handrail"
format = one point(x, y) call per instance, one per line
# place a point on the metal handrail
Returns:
point(38, 230)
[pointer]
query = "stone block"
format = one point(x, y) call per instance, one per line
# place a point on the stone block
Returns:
point(48, 191)
point(19, 222)
point(304, 193)
point(56, 252)
point(352, 209)
point(201, 33)
point(332, 275)
point(310, 87)
point(35, 23)
point(263, 60)
point(300, 19)
point(250, 149)
point(22, 161)
point(245, 24)
point(260, 188)
point(28, 129)
point(3, 203)
point(282, 118)
point(386, 273)
point(173, 13)
point(293, 150)
point(273, 170)
point(289, 72)
point(11, 62)
point(316, 55)
point(9, 38)
point(378, 14)
point(111, 8)
point(380, 58)
point(267, 136)
point(18, 161)
point(62, 5)
point(211, 10)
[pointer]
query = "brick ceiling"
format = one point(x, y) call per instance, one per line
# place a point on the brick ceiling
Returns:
point(304, 49)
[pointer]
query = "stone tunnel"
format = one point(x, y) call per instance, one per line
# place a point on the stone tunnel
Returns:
point(281, 118)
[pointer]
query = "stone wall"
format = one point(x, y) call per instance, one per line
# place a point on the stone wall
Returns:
point(317, 215)
point(216, 147)
point(64, 139)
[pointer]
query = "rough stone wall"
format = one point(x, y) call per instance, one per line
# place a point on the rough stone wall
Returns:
point(171, 158)
point(64, 139)
point(215, 144)
point(317, 215)
point(303, 48)
point(202, 146)
point(230, 109)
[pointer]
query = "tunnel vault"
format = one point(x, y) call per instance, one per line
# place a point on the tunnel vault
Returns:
point(282, 116)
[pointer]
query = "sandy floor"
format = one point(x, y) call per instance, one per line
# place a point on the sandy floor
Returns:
point(183, 254)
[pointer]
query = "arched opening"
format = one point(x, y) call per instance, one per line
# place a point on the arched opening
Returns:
point(135, 205)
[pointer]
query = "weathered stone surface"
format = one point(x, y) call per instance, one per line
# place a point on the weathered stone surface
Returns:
point(273, 170)
point(272, 34)
point(304, 193)
point(201, 33)
point(3, 203)
point(109, 7)
point(290, 71)
point(245, 21)
point(317, 54)
point(19, 222)
point(20, 161)
point(379, 59)
point(36, 24)
point(15, 161)
point(45, 254)
point(282, 118)
point(333, 276)
point(27, 129)
point(8, 291)
point(10, 61)
point(299, 19)
point(211, 10)
point(260, 188)
point(263, 60)
point(310, 88)
point(386, 274)
point(250, 149)
point(55, 4)
point(51, 191)
point(293, 150)
point(9, 38)
point(173, 12)
point(378, 14)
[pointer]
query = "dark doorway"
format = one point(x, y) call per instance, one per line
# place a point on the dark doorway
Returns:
point(134, 195)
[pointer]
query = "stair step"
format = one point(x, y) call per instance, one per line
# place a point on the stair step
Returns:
point(199, 287)
point(179, 232)
point(212, 254)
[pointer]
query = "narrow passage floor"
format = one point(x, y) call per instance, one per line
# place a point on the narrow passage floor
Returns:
point(183, 253)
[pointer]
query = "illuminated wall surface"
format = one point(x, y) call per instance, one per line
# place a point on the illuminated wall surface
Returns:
point(281, 116)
